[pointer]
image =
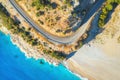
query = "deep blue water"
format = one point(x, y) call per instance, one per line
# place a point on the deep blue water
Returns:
point(15, 66)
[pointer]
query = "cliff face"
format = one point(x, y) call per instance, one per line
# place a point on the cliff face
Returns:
point(100, 59)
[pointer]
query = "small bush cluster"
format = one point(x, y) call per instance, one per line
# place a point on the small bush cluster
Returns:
point(105, 11)
point(41, 4)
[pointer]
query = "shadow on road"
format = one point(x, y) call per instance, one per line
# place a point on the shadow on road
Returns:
point(94, 30)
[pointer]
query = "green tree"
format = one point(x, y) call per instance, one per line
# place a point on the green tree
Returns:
point(109, 7)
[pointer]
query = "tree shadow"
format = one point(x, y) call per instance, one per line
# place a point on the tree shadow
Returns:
point(17, 21)
point(110, 13)
point(94, 30)
point(4, 9)
point(70, 55)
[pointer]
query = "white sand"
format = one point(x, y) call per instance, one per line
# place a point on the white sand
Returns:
point(95, 64)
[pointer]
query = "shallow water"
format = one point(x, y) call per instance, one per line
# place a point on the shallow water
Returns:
point(15, 66)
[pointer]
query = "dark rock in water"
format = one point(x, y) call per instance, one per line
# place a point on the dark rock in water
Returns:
point(41, 62)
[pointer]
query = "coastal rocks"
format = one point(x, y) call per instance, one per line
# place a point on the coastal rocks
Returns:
point(30, 51)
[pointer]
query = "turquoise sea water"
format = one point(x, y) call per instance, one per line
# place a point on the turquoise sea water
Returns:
point(15, 66)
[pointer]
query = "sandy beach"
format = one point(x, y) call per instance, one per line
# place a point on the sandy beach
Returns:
point(92, 63)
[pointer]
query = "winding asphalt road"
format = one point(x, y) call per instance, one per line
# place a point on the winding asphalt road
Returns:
point(55, 39)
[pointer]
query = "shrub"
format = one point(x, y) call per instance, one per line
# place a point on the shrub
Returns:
point(105, 11)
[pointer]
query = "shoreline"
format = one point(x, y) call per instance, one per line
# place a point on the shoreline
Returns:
point(28, 50)
point(16, 41)
point(31, 67)
point(74, 68)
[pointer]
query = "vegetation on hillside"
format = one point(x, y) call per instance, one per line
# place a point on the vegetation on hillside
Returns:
point(14, 27)
point(68, 2)
point(108, 7)
point(42, 4)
